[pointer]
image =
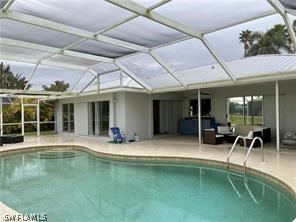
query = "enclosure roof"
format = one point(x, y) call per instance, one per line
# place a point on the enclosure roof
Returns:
point(141, 45)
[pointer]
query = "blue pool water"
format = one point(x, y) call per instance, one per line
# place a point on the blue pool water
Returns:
point(75, 186)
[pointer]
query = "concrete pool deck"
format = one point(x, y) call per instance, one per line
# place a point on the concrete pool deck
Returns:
point(281, 165)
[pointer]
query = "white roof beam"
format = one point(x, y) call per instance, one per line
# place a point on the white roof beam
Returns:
point(154, 16)
point(32, 92)
point(31, 76)
point(92, 71)
point(140, 10)
point(117, 24)
point(132, 17)
point(8, 4)
point(39, 47)
point(282, 11)
point(36, 61)
point(209, 31)
point(107, 72)
point(33, 20)
point(263, 15)
point(133, 76)
point(291, 11)
point(167, 67)
point(76, 83)
point(88, 85)
point(218, 59)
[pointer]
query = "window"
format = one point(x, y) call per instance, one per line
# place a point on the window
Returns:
point(245, 110)
point(68, 117)
point(205, 107)
point(98, 118)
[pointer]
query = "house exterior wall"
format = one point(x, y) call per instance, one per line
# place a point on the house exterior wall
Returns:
point(81, 111)
point(287, 103)
point(133, 112)
point(137, 115)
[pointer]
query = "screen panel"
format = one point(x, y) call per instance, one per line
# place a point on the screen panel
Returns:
point(22, 52)
point(213, 14)
point(72, 60)
point(46, 75)
point(90, 15)
point(144, 32)
point(30, 33)
point(101, 49)
point(186, 54)
point(87, 77)
point(143, 65)
point(227, 42)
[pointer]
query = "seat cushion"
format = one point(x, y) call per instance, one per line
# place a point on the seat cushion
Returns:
point(291, 142)
point(223, 129)
point(243, 130)
point(250, 135)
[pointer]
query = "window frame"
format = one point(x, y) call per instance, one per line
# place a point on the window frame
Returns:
point(244, 108)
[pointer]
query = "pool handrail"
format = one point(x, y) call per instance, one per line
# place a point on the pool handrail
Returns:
point(233, 146)
point(250, 149)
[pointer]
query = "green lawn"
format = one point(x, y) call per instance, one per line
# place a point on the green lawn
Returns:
point(236, 119)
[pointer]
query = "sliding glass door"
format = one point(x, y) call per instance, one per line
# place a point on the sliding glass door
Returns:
point(68, 117)
point(98, 113)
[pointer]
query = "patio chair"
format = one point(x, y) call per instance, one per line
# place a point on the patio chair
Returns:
point(211, 137)
point(249, 139)
point(289, 139)
point(117, 137)
point(7, 139)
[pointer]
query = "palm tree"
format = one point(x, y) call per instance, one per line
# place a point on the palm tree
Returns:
point(246, 37)
point(9, 80)
point(274, 41)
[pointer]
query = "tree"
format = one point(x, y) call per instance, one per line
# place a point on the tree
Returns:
point(274, 41)
point(247, 39)
point(9, 80)
point(57, 86)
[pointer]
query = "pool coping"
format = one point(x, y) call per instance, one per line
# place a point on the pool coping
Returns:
point(154, 159)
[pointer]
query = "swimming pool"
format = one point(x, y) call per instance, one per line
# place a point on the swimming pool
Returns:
point(76, 186)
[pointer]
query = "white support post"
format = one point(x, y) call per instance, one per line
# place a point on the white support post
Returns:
point(121, 79)
point(277, 116)
point(38, 117)
point(199, 117)
point(98, 84)
point(1, 117)
point(22, 117)
point(150, 116)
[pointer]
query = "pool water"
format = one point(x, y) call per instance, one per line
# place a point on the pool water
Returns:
point(76, 186)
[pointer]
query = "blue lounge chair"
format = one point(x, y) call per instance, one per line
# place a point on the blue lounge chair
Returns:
point(117, 137)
